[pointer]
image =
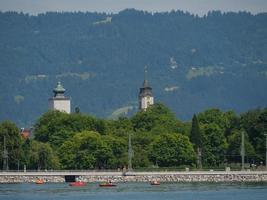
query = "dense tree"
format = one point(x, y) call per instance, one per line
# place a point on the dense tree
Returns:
point(119, 149)
point(184, 127)
point(41, 157)
point(55, 127)
point(214, 145)
point(195, 136)
point(52, 127)
point(26, 153)
point(172, 150)
point(196, 139)
point(215, 116)
point(79, 141)
point(261, 128)
point(255, 123)
point(141, 146)
point(156, 119)
point(86, 150)
point(234, 148)
point(13, 143)
point(120, 127)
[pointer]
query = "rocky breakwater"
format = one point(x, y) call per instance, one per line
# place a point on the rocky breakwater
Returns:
point(184, 177)
point(30, 179)
point(211, 176)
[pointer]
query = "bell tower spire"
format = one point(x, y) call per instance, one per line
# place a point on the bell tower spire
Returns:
point(145, 72)
point(145, 84)
point(145, 95)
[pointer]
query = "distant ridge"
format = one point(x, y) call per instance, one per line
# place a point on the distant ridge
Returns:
point(218, 60)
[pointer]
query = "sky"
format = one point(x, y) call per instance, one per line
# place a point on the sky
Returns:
point(199, 7)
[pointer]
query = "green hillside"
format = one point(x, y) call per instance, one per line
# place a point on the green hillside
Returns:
point(195, 63)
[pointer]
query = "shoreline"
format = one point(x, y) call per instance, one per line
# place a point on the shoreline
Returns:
point(92, 176)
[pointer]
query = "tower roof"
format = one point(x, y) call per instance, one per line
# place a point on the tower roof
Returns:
point(145, 83)
point(59, 88)
point(145, 90)
point(59, 91)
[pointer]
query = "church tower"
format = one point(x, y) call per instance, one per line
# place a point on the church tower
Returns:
point(145, 95)
point(59, 101)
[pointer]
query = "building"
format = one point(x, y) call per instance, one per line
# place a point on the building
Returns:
point(25, 133)
point(145, 95)
point(59, 101)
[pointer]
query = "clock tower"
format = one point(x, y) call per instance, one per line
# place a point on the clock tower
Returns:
point(145, 95)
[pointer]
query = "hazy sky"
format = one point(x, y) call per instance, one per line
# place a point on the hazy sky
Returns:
point(194, 6)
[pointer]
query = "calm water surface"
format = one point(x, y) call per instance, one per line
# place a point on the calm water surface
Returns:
point(132, 191)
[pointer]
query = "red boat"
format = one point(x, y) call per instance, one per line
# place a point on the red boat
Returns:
point(78, 184)
point(39, 181)
point(108, 184)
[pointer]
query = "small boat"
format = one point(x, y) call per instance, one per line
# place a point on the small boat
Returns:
point(39, 181)
point(154, 183)
point(78, 184)
point(107, 184)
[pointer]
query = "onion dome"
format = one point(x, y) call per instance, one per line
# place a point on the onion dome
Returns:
point(59, 90)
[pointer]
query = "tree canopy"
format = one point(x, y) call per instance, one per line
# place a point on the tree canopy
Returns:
point(159, 139)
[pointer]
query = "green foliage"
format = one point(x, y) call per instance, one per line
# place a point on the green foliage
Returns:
point(211, 59)
point(78, 141)
point(51, 127)
point(13, 143)
point(120, 127)
point(119, 149)
point(141, 147)
point(215, 116)
point(255, 124)
point(86, 150)
point(55, 127)
point(234, 149)
point(195, 136)
point(156, 119)
point(214, 144)
point(41, 156)
point(184, 127)
point(172, 150)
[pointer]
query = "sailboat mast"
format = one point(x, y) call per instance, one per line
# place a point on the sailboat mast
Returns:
point(5, 156)
point(130, 153)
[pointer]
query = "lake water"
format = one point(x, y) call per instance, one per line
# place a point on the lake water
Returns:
point(133, 191)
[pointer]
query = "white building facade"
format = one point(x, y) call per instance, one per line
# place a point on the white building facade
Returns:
point(59, 101)
point(145, 95)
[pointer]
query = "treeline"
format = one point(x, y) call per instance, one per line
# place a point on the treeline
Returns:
point(79, 141)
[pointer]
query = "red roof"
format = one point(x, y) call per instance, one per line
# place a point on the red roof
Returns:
point(25, 133)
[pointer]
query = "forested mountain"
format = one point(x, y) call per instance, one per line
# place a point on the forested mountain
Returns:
point(194, 63)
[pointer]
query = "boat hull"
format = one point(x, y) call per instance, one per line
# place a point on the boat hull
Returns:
point(107, 185)
point(155, 183)
point(39, 182)
point(77, 184)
